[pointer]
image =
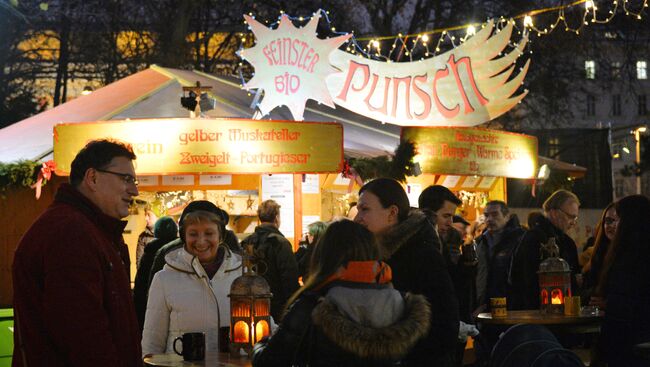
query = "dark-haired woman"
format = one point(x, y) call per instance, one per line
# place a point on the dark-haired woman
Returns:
point(347, 313)
point(303, 255)
point(408, 243)
point(605, 232)
point(625, 284)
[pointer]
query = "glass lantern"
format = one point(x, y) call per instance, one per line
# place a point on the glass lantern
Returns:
point(250, 308)
point(554, 280)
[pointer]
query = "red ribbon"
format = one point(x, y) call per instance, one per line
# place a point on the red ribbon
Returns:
point(533, 188)
point(44, 174)
point(350, 173)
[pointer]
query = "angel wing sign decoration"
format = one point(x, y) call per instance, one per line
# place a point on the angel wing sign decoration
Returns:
point(465, 86)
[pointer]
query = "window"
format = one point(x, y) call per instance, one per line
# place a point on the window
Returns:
point(641, 70)
point(616, 69)
point(643, 107)
point(590, 69)
point(591, 105)
point(616, 105)
point(554, 148)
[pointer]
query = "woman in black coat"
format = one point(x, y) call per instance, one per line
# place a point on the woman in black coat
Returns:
point(347, 314)
point(408, 243)
point(625, 285)
point(165, 230)
point(605, 232)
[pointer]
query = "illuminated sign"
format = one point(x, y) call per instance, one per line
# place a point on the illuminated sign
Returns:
point(465, 86)
point(176, 146)
point(291, 64)
point(473, 151)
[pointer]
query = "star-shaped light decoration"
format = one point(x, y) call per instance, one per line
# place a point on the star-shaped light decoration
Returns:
point(291, 64)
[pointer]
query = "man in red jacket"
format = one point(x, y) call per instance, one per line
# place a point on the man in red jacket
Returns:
point(72, 299)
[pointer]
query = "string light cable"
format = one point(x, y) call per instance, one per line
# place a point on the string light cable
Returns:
point(410, 45)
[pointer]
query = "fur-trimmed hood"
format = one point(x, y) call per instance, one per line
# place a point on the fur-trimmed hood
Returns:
point(390, 342)
point(392, 239)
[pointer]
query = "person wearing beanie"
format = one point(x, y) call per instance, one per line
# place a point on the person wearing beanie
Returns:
point(230, 240)
point(190, 293)
point(165, 230)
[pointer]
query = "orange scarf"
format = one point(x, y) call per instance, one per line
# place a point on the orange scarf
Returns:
point(361, 272)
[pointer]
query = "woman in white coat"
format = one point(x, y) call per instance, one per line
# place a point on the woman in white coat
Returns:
point(190, 294)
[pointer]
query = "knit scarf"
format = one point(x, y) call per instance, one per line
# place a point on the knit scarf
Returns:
point(369, 272)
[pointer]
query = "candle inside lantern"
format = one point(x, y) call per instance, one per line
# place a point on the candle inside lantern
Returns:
point(556, 297)
point(240, 332)
point(261, 330)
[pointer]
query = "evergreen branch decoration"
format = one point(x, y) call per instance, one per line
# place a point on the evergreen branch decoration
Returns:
point(402, 164)
point(22, 173)
point(399, 167)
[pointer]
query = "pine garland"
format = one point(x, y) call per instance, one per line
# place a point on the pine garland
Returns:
point(22, 173)
point(399, 167)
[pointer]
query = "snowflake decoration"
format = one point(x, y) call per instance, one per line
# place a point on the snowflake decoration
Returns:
point(291, 64)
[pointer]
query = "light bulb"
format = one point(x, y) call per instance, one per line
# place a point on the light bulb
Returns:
point(528, 21)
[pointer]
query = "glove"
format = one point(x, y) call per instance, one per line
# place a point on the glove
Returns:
point(466, 330)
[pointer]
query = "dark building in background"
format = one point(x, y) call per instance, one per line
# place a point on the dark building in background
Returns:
point(588, 148)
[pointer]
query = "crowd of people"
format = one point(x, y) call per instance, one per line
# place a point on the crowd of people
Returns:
point(390, 285)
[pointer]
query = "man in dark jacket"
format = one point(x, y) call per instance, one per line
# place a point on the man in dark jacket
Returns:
point(72, 298)
point(560, 215)
point(495, 248)
point(274, 257)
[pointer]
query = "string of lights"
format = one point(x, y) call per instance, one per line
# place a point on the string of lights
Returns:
point(406, 45)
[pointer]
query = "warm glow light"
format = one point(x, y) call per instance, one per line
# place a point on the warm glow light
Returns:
point(241, 332)
point(556, 297)
point(544, 172)
point(642, 129)
point(261, 330)
point(589, 4)
point(522, 168)
point(471, 30)
point(626, 150)
point(528, 21)
point(425, 38)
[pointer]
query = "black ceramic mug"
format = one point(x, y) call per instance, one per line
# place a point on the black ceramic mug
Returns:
point(193, 346)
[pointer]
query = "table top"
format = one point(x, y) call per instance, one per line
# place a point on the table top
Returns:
point(643, 350)
point(220, 360)
point(536, 317)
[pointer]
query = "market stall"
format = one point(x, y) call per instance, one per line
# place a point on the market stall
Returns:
point(235, 163)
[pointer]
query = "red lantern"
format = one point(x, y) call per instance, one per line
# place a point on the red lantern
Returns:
point(554, 280)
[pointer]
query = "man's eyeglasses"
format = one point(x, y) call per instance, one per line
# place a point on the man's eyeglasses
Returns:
point(572, 218)
point(127, 178)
